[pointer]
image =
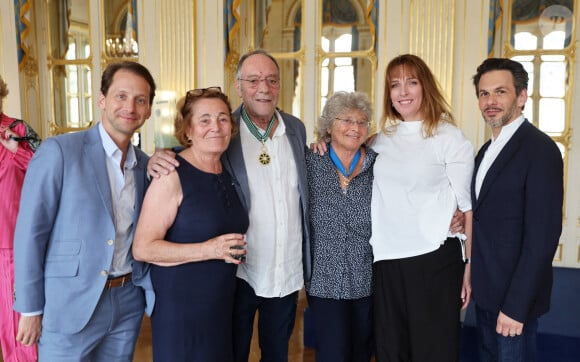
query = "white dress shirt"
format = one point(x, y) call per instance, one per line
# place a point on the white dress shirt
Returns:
point(122, 183)
point(273, 266)
point(494, 149)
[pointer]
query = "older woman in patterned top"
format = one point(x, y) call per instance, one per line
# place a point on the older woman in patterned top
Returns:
point(340, 181)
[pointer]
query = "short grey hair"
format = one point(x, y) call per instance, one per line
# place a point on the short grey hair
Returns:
point(249, 54)
point(340, 103)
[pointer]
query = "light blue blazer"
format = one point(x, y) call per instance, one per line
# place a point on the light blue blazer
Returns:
point(61, 245)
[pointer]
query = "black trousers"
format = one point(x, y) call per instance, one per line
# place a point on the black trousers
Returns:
point(417, 302)
point(343, 329)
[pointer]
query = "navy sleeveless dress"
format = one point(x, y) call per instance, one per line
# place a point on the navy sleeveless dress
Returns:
point(192, 318)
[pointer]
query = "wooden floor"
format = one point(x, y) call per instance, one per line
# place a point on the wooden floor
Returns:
point(297, 352)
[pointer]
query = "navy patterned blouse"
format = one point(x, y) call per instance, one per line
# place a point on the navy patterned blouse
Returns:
point(340, 227)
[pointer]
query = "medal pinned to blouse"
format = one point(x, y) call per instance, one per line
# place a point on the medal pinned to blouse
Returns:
point(264, 158)
point(344, 175)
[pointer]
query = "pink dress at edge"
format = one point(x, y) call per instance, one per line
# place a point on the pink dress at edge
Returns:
point(12, 170)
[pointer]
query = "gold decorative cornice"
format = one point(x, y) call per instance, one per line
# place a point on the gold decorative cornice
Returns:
point(56, 130)
point(30, 68)
point(55, 61)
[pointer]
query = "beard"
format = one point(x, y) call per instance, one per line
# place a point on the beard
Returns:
point(508, 116)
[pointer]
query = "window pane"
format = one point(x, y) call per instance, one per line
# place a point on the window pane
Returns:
point(562, 148)
point(523, 58)
point(529, 67)
point(325, 44)
point(88, 111)
point(343, 43)
point(73, 103)
point(86, 71)
point(355, 75)
point(72, 79)
point(324, 81)
point(71, 52)
point(552, 79)
point(525, 41)
point(555, 40)
point(552, 113)
point(344, 79)
point(553, 58)
point(529, 109)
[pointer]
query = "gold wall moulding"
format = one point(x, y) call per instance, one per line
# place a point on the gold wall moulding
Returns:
point(56, 129)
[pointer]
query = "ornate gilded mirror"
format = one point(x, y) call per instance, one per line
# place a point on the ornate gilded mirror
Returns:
point(347, 42)
point(70, 56)
point(120, 29)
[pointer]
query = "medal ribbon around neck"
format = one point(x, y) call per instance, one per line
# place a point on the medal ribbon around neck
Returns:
point(264, 157)
point(339, 165)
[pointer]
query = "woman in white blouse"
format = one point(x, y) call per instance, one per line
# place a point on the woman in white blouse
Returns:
point(421, 176)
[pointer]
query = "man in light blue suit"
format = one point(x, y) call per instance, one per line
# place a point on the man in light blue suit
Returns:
point(77, 285)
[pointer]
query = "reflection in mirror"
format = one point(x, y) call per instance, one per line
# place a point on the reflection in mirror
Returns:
point(278, 25)
point(290, 98)
point(73, 105)
point(121, 37)
point(346, 19)
point(552, 25)
point(69, 54)
point(67, 32)
point(345, 74)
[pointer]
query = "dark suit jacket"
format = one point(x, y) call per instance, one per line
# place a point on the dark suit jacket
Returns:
point(233, 159)
point(517, 221)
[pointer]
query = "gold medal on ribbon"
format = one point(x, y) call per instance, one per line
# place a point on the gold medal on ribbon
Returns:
point(264, 157)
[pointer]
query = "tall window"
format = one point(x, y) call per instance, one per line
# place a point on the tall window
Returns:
point(345, 57)
point(79, 109)
point(336, 74)
point(70, 65)
point(541, 38)
point(347, 44)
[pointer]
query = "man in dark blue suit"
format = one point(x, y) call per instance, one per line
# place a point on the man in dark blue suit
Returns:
point(517, 194)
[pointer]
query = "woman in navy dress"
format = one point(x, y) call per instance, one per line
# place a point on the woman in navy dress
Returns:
point(191, 222)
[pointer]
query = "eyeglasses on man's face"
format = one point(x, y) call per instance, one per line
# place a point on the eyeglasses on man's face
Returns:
point(346, 122)
point(253, 82)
